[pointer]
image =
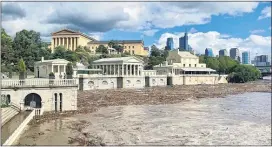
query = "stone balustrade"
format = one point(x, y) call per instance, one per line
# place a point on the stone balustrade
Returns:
point(38, 83)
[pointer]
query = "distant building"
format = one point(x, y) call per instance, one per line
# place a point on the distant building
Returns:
point(183, 43)
point(245, 58)
point(170, 43)
point(234, 54)
point(223, 52)
point(208, 52)
point(261, 60)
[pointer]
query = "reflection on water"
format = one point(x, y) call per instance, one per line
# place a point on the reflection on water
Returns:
point(236, 120)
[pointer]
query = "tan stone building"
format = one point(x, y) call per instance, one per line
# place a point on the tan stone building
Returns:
point(70, 39)
point(134, 47)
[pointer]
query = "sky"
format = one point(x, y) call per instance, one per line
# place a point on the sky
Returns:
point(216, 25)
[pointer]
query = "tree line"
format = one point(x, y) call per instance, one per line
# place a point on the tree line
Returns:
point(28, 46)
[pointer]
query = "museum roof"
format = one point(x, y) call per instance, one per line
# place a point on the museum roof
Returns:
point(116, 41)
point(197, 69)
point(120, 59)
point(53, 61)
point(73, 31)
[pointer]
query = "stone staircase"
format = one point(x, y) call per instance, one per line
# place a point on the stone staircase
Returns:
point(8, 112)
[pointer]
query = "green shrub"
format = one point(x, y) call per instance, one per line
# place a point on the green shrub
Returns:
point(21, 66)
point(69, 69)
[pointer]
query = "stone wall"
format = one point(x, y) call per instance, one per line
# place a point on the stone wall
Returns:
point(159, 80)
point(92, 83)
point(69, 97)
point(133, 82)
point(194, 79)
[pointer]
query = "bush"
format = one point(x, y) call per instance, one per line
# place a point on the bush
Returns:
point(244, 73)
point(21, 66)
point(69, 69)
point(51, 74)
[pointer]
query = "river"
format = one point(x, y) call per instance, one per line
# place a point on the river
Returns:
point(243, 119)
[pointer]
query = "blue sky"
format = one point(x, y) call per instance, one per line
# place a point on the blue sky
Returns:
point(246, 25)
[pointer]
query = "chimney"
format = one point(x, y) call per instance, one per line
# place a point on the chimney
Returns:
point(42, 59)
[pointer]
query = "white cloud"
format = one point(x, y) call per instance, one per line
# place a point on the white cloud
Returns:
point(256, 31)
point(193, 30)
point(150, 32)
point(266, 13)
point(90, 17)
point(200, 41)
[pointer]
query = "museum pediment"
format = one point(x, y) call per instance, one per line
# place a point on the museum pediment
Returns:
point(65, 31)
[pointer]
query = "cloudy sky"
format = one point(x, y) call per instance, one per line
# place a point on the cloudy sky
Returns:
point(217, 25)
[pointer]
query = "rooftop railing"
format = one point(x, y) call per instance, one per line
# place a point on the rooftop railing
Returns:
point(38, 83)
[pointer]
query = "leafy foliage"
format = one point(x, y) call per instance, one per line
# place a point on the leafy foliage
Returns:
point(69, 69)
point(21, 66)
point(244, 73)
point(102, 49)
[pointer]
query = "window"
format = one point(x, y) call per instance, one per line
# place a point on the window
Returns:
point(183, 65)
point(129, 51)
point(189, 65)
point(195, 65)
point(105, 83)
point(138, 82)
point(8, 99)
point(56, 102)
point(132, 46)
point(132, 52)
point(92, 47)
point(129, 47)
point(60, 101)
point(128, 81)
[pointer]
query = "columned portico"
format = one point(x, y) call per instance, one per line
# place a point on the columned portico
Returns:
point(124, 66)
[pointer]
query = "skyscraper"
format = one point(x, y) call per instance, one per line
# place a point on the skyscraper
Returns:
point(223, 52)
point(234, 54)
point(261, 60)
point(170, 43)
point(208, 52)
point(183, 42)
point(245, 58)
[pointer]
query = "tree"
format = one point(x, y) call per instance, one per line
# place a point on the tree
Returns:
point(155, 52)
point(102, 49)
point(111, 44)
point(244, 73)
point(28, 45)
point(21, 66)
point(7, 54)
point(69, 70)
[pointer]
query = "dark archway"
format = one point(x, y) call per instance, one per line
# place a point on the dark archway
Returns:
point(33, 97)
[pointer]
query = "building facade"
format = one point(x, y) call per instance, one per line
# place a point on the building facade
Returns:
point(44, 67)
point(183, 68)
point(245, 57)
point(261, 60)
point(209, 52)
point(183, 43)
point(133, 47)
point(69, 39)
point(170, 43)
point(235, 54)
point(223, 52)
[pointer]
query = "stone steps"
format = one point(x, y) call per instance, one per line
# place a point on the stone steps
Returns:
point(7, 114)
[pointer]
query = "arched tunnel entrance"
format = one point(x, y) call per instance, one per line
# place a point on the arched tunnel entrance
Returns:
point(33, 100)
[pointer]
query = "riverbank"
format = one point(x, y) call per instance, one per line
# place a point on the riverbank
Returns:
point(91, 101)
point(206, 121)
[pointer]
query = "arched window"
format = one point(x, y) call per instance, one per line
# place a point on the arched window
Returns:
point(138, 82)
point(105, 83)
point(128, 82)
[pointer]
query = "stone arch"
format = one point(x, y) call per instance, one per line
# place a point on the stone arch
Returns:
point(138, 82)
point(35, 98)
point(105, 83)
point(153, 81)
point(91, 83)
point(128, 82)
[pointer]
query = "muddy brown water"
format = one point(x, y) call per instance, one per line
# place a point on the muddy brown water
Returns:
point(243, 119)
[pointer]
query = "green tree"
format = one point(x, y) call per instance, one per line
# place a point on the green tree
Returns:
point(7, 53)
point(69, 70)
point(102, 49)
point(21, 66)
point(28, 45)
point(244, 73)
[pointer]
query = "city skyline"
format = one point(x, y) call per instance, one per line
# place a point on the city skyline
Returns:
point(204, 21)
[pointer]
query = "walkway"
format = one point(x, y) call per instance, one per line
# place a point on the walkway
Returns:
point(12, 125)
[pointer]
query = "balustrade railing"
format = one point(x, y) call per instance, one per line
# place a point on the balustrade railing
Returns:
point(39, 82)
